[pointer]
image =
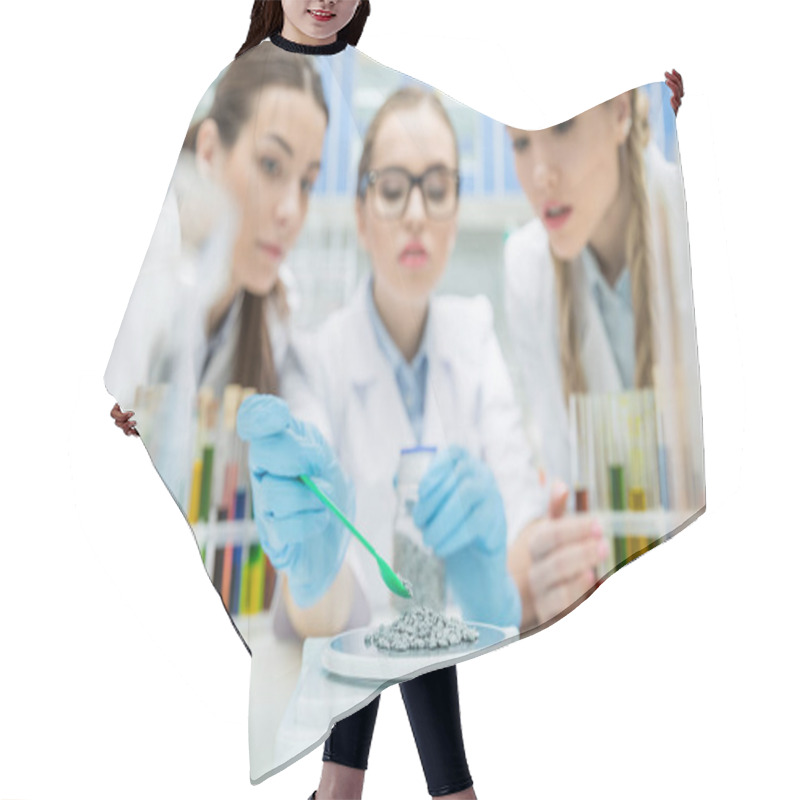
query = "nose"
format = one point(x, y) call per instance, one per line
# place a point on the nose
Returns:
point(290, 204)
point(415, 210)
point(544, 175)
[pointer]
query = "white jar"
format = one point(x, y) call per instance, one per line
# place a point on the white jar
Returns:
point(411, 558)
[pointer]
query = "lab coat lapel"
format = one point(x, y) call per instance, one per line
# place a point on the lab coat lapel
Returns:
point(439, 411)
point(450, 389)
point(378, 413)
point(600, 366)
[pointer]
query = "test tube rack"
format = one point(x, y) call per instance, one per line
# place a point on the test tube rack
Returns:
point(619, 471)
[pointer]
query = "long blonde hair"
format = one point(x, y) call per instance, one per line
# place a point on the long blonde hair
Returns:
point(639, 257)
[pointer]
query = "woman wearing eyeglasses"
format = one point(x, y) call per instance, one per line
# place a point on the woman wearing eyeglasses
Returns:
point(401, 367)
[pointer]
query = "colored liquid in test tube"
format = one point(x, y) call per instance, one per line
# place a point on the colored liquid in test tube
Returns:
point(637, 499)
point(206, 418)
point(232, 564)
point(244, 505)
point(637, 496)
point(582, 450)
point(616, 473)
point(230, 405)
point(575, 434)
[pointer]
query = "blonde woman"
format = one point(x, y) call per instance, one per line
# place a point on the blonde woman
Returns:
point(599, 299)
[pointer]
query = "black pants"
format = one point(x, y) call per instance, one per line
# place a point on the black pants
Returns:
point(432, 706)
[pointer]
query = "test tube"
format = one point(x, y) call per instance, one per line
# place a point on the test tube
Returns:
point(202, 471)
point(257, 563)
point(576, 465)
point(226, 481)
point(262, 575)
point(230, 405)
point(616, 466)
point(602, 439)
point(591, 463)
point(244, 507)
point(207, 414)
point(637, 491)
point(637, 497)
point(584, 451)
point(663, 463)
point(616, 472)
point(651, 449)
point(196, 473)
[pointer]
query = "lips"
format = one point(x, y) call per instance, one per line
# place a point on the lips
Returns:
point(272, 250)
point(322, 16)
point(414, 255)
point(554, 215)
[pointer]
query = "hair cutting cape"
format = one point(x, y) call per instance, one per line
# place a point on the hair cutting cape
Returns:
point(535, 366)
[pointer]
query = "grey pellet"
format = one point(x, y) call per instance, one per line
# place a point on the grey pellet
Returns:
point(421, 628)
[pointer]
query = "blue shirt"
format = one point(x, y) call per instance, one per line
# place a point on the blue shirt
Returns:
point(410, 378)
point(616, 310)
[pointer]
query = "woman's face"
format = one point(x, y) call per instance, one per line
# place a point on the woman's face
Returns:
point(318, 20)
point(269, 172)
point(409, 254)
point(570, 173)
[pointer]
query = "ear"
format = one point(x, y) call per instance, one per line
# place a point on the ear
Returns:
point(622, 110)
point(208, 147)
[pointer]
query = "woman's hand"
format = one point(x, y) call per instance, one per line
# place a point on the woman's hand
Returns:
point(554, 558)
point(460, 513)
point(675, 82)
point(301, 537)
point(124, 420)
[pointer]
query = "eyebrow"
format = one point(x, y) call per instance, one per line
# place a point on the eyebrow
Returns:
point(394, 165)
point(281, 141)
point(285, 145)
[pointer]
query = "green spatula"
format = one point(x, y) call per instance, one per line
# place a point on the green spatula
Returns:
point(392, 581)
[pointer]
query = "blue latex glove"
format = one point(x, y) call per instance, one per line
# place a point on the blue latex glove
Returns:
point(461, 515)
point(297, 532)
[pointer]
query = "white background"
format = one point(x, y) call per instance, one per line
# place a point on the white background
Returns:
point(120, 673)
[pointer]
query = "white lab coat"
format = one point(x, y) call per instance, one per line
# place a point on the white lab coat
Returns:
point(533, 320)
point(469, 402)
point(185, 268)
point(146, 317)
point(162, 338)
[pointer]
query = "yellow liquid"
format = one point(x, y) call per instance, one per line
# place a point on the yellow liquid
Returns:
point(637, 500)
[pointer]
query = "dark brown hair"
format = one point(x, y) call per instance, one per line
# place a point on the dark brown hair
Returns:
point(266, 19)
point(243, 79)
point(233, 105)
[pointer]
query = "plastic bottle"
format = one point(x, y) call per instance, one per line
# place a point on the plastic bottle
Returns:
point(412, 560)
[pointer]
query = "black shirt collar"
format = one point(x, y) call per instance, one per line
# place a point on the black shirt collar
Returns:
point(308, 49)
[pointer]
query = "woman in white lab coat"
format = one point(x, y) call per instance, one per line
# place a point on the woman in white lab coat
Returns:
point(370, 352)
point(236, 155)
point(599, 299)
point(396, 368)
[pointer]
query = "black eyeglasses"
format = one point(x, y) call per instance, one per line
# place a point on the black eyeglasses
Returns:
point(439, 186)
